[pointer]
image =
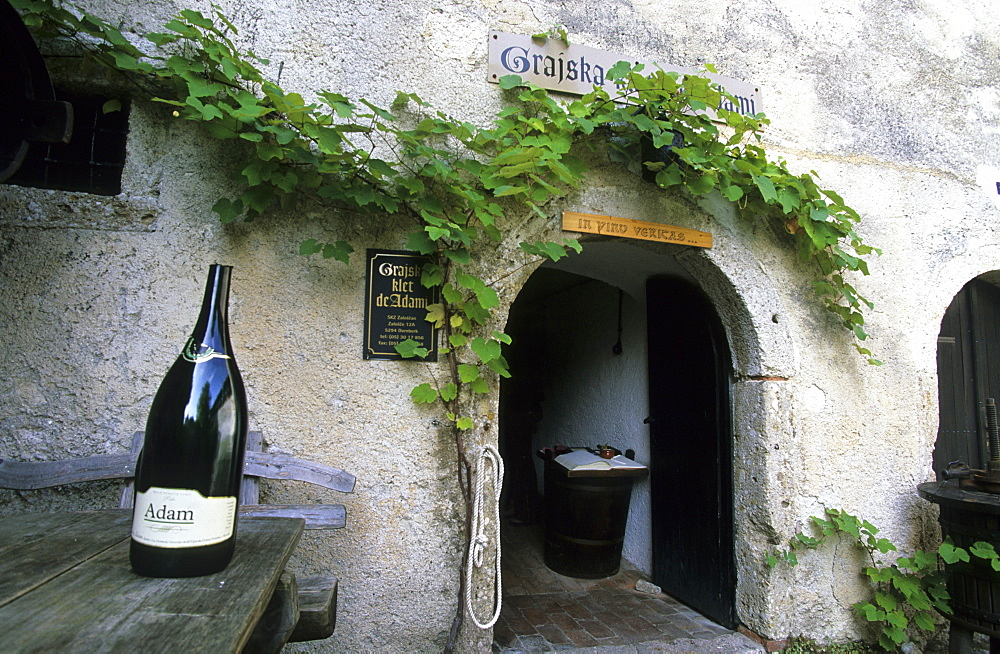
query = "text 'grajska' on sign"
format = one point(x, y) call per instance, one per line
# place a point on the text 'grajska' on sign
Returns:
point(572, 68)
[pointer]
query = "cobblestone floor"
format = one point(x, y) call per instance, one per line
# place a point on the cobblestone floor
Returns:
point(545, 611)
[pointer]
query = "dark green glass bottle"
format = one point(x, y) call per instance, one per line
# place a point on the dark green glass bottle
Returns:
point(187, 480)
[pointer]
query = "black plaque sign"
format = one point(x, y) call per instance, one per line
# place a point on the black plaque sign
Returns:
point(396, 304)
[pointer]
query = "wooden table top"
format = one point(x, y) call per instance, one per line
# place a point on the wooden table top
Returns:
point(66, 586)
point(559, 470)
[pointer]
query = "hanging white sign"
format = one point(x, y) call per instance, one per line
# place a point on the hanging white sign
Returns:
point(554, 65)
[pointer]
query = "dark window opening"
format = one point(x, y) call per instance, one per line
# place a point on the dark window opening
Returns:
point(91, 162)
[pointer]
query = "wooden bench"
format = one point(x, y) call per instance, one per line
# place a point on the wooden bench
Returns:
point(314, 597)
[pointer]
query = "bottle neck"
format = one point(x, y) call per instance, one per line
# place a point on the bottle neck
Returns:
point(210, 338)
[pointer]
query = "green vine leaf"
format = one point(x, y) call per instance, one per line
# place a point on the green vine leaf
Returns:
point(424, 394)
point(449, 392)
point(487, 350)
point(410, 348)
point(339, 251)
point(951, 554)
point(925, 621)
point(983, 550)
point(906, 592)
point(549, 249)
point(435, 314)
point(468, 373)
point(228, 210)
point(871, 612)
point(899, 622)
point(887, 602)
point(508, 82)
point(306, 248)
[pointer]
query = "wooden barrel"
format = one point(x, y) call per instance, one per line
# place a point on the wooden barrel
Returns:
point(974, 586)
point(585, 518)
point(968, 516)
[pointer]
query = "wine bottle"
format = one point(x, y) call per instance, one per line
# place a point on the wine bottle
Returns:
point(187, 479)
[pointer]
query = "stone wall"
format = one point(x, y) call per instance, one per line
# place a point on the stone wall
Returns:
point(894, 104)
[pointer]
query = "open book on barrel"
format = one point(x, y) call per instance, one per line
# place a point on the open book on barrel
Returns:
point(584, 460)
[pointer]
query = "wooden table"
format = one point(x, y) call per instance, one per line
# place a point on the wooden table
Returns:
point(66, 586)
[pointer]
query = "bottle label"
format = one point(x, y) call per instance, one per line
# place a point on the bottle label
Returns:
point(196, 352)
point(178, 517)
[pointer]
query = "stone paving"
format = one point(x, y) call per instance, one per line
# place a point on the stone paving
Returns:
point(544, 611)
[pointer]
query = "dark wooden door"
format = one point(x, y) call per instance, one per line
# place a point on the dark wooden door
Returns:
point(690, 450)
point(968, 373)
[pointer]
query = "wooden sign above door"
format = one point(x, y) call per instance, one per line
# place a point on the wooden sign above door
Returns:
point(628, 228)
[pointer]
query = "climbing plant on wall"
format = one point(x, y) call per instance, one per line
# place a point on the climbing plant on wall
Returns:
point(455, 179)
point(907, 592)
point(462, 185)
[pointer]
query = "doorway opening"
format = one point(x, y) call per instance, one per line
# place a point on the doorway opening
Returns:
point(968, 373)
point(599, 359)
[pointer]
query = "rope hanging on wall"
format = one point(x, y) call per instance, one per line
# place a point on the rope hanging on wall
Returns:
point(480, 525)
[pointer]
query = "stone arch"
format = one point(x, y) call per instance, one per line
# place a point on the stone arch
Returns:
point(965, 314)
point(949, 281)
point(750, 308)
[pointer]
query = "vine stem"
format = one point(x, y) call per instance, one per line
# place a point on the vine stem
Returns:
point(464, 474)
point(466, 486)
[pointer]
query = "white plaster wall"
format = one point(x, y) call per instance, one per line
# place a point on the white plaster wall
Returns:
point(895, 104)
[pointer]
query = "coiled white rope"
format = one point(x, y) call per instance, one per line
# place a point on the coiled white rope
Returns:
point(479, 539)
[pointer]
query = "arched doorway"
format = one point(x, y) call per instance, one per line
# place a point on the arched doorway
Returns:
point(582, 354)
point(968, 373)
